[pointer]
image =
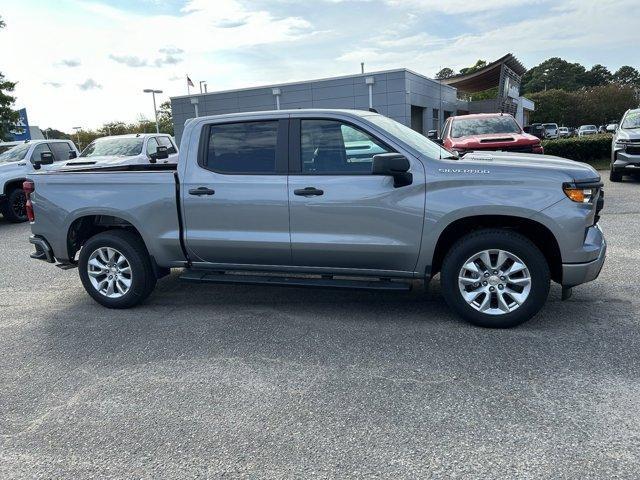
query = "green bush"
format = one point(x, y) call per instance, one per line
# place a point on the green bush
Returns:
point(587, 149)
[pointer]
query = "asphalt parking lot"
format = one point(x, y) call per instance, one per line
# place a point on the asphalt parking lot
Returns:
point(235, 381)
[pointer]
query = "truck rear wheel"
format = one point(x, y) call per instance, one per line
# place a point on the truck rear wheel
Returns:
point(15, 208)
point(495, 278)
point(116, 270)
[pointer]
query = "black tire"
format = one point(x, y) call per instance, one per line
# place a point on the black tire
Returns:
point(14, 209)
point(143, 278)
point(615, 176)
point(489, 239)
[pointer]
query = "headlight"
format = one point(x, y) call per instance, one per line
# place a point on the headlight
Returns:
point(580, 194)
point(621, 143)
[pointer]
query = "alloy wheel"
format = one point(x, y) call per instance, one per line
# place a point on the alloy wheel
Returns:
point(494, 282)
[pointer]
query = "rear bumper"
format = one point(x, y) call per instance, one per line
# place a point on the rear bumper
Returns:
point(578, 273)
point(43, 249)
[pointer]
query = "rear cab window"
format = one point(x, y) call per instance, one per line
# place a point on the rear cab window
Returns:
point(245, 148)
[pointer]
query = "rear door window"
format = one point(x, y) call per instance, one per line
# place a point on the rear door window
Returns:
point(242, 148)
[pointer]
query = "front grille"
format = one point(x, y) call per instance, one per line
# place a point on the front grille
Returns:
point(599, 205)
point(633, 149)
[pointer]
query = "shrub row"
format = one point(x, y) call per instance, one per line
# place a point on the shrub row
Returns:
point(583, 149)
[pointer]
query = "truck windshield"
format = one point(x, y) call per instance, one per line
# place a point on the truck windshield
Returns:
point(632, 120)
point(463, 127)
point(412, 138)
point(117, 147)
point(15, 154)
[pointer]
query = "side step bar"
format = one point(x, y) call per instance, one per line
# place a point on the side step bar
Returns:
point(205, 276)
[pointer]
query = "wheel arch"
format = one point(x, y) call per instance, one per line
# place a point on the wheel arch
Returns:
point(11, 184)
point(86, 226)
point(535, 231)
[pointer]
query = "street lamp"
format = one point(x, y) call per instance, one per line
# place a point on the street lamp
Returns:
point(155, 111)
point(77, 129)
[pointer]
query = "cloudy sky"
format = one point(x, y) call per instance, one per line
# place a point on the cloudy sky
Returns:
point(82, 63)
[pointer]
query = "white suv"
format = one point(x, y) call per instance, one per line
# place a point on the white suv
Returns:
point(16, 164)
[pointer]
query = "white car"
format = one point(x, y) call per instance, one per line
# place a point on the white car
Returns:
point(17, 163)
point(587, 130)
point(132, 149)
point(550, 130)
point(564, 132)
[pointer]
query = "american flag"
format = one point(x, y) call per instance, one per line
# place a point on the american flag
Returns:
point(189, 82)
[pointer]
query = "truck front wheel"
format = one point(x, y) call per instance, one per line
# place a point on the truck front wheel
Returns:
point(495, 278)
point(116, 270)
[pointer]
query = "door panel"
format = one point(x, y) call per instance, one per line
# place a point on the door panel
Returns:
point(359, 221)
point(246, 219)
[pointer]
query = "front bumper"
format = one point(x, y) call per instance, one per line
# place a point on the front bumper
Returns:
point(578, 273)
point(626, 162)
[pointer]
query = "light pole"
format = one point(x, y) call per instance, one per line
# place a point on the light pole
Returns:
point(155, 111)
point(77, 129)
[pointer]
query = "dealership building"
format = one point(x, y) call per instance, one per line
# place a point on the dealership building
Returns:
point(406, 96)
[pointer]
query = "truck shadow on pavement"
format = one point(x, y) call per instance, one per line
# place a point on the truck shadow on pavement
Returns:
point(181, 321)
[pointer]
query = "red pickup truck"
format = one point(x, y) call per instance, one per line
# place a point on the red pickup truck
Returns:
point(487, 131)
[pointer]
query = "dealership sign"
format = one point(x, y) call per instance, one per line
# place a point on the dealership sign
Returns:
point(21, 129)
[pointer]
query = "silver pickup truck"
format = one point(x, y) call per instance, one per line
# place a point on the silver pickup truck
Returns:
point(329, 198)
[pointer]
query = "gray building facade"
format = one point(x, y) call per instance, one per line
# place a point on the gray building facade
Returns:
point(412, 99)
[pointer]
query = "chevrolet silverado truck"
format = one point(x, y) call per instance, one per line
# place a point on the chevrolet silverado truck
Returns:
point(280, 198)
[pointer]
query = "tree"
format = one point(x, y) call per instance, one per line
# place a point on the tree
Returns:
point(627, 75)
point(165, 118)
point(598, 75)
point(8, 116)
point(597, 105)
point(478, 65)
point(552, 74)
point(446, 72)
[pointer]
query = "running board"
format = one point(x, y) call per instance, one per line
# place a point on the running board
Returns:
point(205, 276)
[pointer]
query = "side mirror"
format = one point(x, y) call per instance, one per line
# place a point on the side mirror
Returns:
point(46, 158)
point(162, 153)
point(394, 165)
point(72, 154)
point(432, 134)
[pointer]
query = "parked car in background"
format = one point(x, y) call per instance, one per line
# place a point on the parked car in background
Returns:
point(564, 132)
point(139, 148)
point(487, 131)
point(611, 128)
point(625, 147)
point(17, 163)
point(587, 130)
point(551, 130)
point(278, 193)
point(535, 129)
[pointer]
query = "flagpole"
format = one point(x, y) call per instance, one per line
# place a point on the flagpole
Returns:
point(188, 90)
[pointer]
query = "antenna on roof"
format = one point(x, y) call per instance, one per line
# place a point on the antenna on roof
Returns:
point(362, 67)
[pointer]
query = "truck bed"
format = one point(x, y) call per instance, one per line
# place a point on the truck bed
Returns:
point(143, 195)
